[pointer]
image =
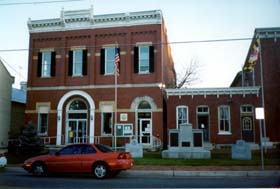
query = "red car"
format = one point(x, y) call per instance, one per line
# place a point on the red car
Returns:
point(97, 159)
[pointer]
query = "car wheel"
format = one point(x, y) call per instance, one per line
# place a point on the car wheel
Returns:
point(100, 170)
point(39, 169)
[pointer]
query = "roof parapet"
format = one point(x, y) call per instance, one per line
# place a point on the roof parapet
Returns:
point(85, 19)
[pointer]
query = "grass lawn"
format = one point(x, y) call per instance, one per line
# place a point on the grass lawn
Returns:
point(218, 158)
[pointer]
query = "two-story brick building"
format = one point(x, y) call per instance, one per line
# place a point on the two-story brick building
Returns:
point(71, 76)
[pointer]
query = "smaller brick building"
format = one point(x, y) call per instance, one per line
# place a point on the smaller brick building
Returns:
point(228, 114)
point(224, 114)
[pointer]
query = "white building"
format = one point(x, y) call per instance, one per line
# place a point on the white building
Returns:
point(6, 81)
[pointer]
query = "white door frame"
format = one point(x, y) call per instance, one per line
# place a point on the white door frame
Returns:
point(76, 121)
point(150, 132)
point(64, 98)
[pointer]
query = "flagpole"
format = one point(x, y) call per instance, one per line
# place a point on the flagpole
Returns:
point(116, 101)
point(262, 86)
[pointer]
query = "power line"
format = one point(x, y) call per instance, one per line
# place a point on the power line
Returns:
point(37, 2)
point(18, 73)
point(169, 43)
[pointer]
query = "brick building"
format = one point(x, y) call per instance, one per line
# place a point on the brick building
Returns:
point(228, 114)
point(267, 66)
point(71, 77)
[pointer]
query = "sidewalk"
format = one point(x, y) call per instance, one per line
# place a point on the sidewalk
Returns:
point(196, 171)
point(207, 171)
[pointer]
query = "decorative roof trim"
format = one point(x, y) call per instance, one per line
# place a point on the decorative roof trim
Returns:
point(84, 19)
point(267, 32)
point(213, 91)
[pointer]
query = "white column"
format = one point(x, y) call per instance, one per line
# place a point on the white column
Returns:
point(59, 127)
point(91, 126)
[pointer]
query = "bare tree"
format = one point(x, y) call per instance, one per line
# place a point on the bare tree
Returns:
point(188, 74)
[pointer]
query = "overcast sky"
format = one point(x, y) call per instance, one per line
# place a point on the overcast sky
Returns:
point(186, 20)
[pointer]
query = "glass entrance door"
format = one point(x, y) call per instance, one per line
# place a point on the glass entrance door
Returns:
point(145, 131)
point(77, 131)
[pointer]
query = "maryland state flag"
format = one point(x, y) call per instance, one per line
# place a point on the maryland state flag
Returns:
point(254, 56)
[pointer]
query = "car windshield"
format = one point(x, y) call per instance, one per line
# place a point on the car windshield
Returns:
point(103, 148)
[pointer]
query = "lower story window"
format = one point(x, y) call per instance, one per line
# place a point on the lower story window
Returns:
point(43, 124)
point(107, 123)
point(224, 120)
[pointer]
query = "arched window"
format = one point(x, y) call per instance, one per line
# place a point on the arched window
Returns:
point(77, 105)
point(247, 124)
point(144, 105)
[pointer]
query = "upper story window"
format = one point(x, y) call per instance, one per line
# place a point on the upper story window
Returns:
point(143, 59)
point(224, 120)
point(77, 63)
point(107, 60)
point(182, 115)
point(46, 64)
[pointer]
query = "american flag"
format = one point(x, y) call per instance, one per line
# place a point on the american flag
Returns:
point(117, 62)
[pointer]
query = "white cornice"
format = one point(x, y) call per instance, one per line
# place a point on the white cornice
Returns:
point(267, 32)
point(84, 19)
point(213, 91)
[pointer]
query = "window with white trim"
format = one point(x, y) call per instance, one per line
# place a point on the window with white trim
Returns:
point(246, 109)
point(46, 64)
point(77, 62)
point(224, 120)
point(107, 118)
point(144, 60)
point(107, 122)
point(43, 117)
point(110, 60)
point(182, 116)
point(202, 110)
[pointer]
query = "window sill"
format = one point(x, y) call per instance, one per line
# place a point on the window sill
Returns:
point(144, 73)
point(77, 75)
point(109, 74)
point(106, 135)
point(42, 134)
point(45, 77)
point(224, 133)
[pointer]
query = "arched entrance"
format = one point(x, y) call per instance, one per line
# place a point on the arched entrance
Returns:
point(144, 107)
point(76, 109)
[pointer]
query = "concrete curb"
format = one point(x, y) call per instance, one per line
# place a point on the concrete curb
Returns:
point(172, 173)
point(178, 173)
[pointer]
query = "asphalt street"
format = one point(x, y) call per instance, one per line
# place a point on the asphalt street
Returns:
point(15, 177)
